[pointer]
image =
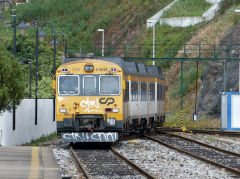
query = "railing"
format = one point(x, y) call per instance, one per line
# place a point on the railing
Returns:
point(173, 52)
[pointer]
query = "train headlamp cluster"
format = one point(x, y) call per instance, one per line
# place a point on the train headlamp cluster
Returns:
point(62, 110)
point(88, 68)
point(111, 121)
point(115, 110)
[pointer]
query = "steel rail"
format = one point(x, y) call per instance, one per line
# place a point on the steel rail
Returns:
point(80, 164)
point(205, 145)
point(230, 169)
point(133, 165)
point(200, 131)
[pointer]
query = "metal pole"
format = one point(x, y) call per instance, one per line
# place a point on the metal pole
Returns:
point(30, 79)
point(54, 70)
point(36, 87)
point(14, 32)
point(153, 43)
point(15, 55)
point(224, 76)
point(195, 110)
point(103, 44)
point(181, 85)
point(65, 49)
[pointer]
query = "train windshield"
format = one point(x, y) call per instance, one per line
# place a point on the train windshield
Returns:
point(109, 84)
point(89, 85)
point(68, 85)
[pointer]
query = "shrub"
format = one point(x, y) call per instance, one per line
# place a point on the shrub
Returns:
point(11, 80)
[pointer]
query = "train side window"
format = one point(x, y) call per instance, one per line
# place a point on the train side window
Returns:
point(126, 95)
point(161, 96)
point(152, 92)
point(134, 91)
point(143, 92)
point(164, 90)
point(158, 91)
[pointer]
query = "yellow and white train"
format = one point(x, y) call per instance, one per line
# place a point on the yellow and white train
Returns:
point(99, 98)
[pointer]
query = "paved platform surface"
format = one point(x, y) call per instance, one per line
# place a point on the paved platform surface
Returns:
point(28, 163)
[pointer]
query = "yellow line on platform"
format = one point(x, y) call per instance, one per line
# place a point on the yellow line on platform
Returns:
point(34, 170)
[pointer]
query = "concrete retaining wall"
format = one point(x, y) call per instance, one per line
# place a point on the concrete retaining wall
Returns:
point(184, 21)
point(210, 13)
point(213, 1)
point(154, 19)
point(181, 21)
point(26, 130)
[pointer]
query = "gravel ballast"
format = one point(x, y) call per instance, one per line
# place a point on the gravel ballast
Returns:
point(228, 143)
point(66, 162)
point(167, 163)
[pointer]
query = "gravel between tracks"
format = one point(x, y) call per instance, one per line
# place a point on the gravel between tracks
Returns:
point(66, 162)
point(167, 163)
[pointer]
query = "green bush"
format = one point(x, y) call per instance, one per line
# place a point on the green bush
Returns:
point(11, 80)
point(226, 4)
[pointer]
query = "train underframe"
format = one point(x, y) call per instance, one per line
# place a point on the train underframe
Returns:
point(93, 128)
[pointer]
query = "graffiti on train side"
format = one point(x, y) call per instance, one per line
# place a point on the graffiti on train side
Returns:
point(90, 105)
point(90, 137)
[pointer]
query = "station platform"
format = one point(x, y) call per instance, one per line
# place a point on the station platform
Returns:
point(28, 163)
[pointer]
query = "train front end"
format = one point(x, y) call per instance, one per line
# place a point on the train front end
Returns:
point(89, 101)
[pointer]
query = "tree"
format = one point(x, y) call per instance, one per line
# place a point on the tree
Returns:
point(11, 80)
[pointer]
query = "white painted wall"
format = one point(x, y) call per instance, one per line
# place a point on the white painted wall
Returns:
point(26, 130)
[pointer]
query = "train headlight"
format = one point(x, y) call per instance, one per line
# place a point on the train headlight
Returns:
point(88, 68)
point(115, 109)
point(111, 121)
point(62, 110)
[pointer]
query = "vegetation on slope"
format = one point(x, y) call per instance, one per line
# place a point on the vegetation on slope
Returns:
point(212, 33)
point(187, 8)
point(80, 19)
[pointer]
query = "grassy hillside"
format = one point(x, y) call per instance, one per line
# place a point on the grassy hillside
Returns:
point(187, 8)
point(80, 19)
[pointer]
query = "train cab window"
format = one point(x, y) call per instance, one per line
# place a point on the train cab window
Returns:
point(143, 91)
point(134, 91)
point(109, 85)
point(89, 85)
point(152, 92)
point(68, 85)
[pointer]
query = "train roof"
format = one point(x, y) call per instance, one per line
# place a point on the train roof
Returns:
point(128, 67)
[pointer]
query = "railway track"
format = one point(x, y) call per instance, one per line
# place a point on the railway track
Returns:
point(207, 153)
point(201, 131)
point(107, 164)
